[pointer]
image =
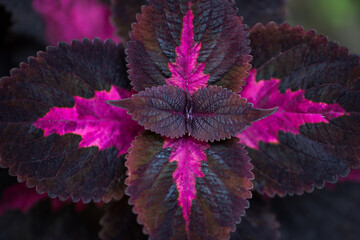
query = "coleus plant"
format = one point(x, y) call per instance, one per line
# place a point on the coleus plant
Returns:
point(208, 111)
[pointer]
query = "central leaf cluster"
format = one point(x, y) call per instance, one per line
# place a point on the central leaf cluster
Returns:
point(211, 113)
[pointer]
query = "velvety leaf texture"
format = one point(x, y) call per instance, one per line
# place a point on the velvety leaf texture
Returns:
point(324, 214)
point(219, 113)
point(318, 78)
point(119, 223)
point(47, 107)
point(259, 223)
point(161, 109)
point(43, 223)
point(123, 15)
point(190, 44)
point(261, 11)
point(186, 189)
point(211, 113)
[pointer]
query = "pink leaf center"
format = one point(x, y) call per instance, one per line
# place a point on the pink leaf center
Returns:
point(187, 73)
point(294, 111)
point(98, 123)
point(188, 153)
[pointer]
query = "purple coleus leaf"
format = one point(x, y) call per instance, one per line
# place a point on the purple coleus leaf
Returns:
point(186, 189)
point(190, 45)
point(315, 134)
point(57, 132)
point(209, 114)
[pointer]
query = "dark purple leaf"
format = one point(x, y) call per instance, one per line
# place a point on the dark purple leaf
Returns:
point(315, 135)
point(190, 44)
point(119, 222)
point(123, 14)
point(218, 113)
point(259, 223)
point(50, 110)
point(324, 214)
point(43, 223)
point(261, 11)
point(211, 113)
point(161, 109)
point(186, 189)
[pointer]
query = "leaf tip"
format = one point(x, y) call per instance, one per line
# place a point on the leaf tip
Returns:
point(257, 114)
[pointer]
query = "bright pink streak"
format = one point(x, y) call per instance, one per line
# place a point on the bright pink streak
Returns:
point(188, 153)
point(186, 71)
point(294, 110)
point(98, 123)
point(19, 197)
point(75, 19)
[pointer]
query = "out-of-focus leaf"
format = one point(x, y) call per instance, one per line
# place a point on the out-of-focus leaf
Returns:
point(323, 214)
point(186, 189)
point(66, 20)
point(25, 21)
point(119, 222)
point(259, 223)
point(123, 15)
point(324, 80)
point(261, 11)
point(19, 197)
point(47, 107)
point(41, 223)
point(189, 44)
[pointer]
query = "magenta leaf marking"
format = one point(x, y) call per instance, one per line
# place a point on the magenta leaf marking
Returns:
point(189, 44)
point(186, 189)
point(67, 19)
point(188, 153)
point(187, 73)
point(98, 123)
point(294, 111)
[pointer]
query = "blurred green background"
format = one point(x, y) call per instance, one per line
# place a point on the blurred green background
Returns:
point(338, 19)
